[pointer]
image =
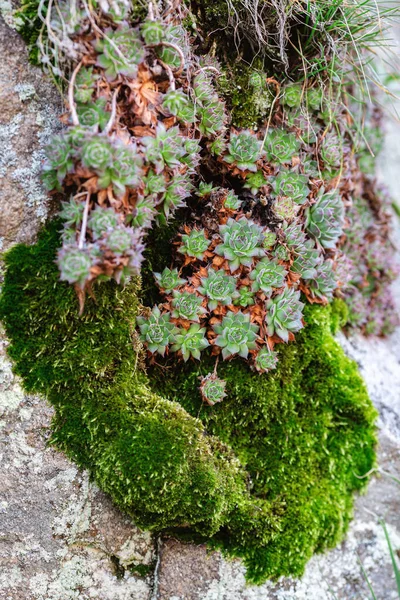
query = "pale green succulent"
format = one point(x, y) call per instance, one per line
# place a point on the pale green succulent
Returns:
point(255, 181)
point(236, 335)
point(331, 150)
point(144, 212)
point(174, 101)
point(266, 275)
point(60, 158)
point(323, 283)
point(169, 280)
point(191, 158)
point(212, 389)
point(244, 149)
point(175, 34)
point(218, 146)
point(281, 146)
point(152, 32)
point(124, 171)
point(165, 149)
point(269, 239)
point(74, 264)
point(190, 342)
point(284, 208)
point(266, 360)
point(281, 253)
point(94, 114)
point(292, 185)
point(188, 306)
point(72, 212)
point(232, 201)
point(211, 117)
point(205, 189)
point(120, 240)
point(284, 314)
point(295, 238)
point(119, 52)
point(97, 153)
point(102, 220)
point(256, 80)
point(307, 126)
point(84, 84)
point(244, 296)
point(307, 260)
point(324, 219)
point(178, 189)
point(314, 97)
point(194, 244)
point(292, 95)
point(242, 242)
point(218, 288)
point(154, 183)
point(156, 330)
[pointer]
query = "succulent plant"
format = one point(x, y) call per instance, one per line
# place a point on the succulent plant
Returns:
point(120, 53)
point(292, 95)
point(125, 169)
point(205, 189)
point(152, 32)
point(97, 152)
point(232, 201)
point(59, 157)
point(101, 220)
point(331, 150)
point(242, 242)
point(72, 212)
point(269, 239)
point(178, 189)
point(191, 158)
point(295, 238)
point(75, 264)
point(211, 117)
point(236, 334)
point(267, 274)
point(194, 244)
point(218, 146)
point(118, 10)
point(84, 84)
point(281, 253)
point(165, 149)
point(324, 219)
point(292, 185)
point(175, 101)
point(255, 181)
point(314, 97)
point(324, 282)
point(175, 34)
point(169, 280)
point(212, 389)
point(284, 208)
point(266, 360)
point(190, 342)
point(244, 149)
point(154, 183)
point(243, 296)
point(157, 331)
point(144, 212)
point(307, 127)
point(256, 80)
point(121, 239)
point(188, 306)
point(281, 146)
point(218, 288)
point(93, 114)
point(284, 314)
point(307, 260)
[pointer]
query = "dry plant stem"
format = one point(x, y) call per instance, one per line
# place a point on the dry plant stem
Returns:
point(100, 31)
point(208, 68)
point(71, 101)
point(169, 73)
point(84, 222)
point(111, 121)
point(177, 49)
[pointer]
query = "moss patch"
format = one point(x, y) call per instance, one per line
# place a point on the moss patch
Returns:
point(268, 475)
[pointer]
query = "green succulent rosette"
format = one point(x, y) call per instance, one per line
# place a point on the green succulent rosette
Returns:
point(266, 275)
point(324, 219)
point(280, 146)
point(169, 280)
point(119, 53)
point(187, 306)
point(284, 314)
point(190, 342)
point(242, 242)
point(292, 185)
point(156, 331)
point(236, 335)
point(212, 389)
point(244, 149)
point(194, 244)
point(266, 360)
point(218, 288)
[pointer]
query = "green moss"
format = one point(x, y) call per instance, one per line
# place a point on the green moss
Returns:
point(29, 26)
point(267, 475)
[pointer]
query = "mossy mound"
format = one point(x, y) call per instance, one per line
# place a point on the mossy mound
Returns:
point(268, 475)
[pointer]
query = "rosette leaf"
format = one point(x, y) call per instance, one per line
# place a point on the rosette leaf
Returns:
point(284, 208)
point(266, 360)
point(236, 335)
point(152, 32)
point(205, 189)
point(324, 219)
point(165, 149)
point(186, 305)
point(84, 84)
point(266, 275)
point(175, 101)
point(177, 191)
point(72, 212)
point(242, 242)
point(120, 53)
point(211, 117)
point(324, 282)
point(331, 150)
point(292, 185)
point(314, 97)
point(244, 149)
point(218, 288)
point(174, 34)
point(269, 239)
point(169, 280)
point(75, 264)
point(307, 260)
point(97, 153)
point(144, 212)
point(121, 240)
point(218, 146)
point(255, 181)
point(232, 201)
point(295, 238)
point(281, 253)
point(156, 331)
point(244, 296)
point(93, 114)
point(281, 146)
point(284, 314)
point(154, 183)
point(125, 169)
point(190, 342)
point(101, 221)
point(194, 244)
point(212, 389)
point(292, 95)
point(60, 156)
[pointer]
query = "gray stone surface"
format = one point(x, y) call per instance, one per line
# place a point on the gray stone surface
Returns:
point(60, 537)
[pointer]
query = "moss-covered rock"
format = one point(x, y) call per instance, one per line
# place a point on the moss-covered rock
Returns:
point(267, 475)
